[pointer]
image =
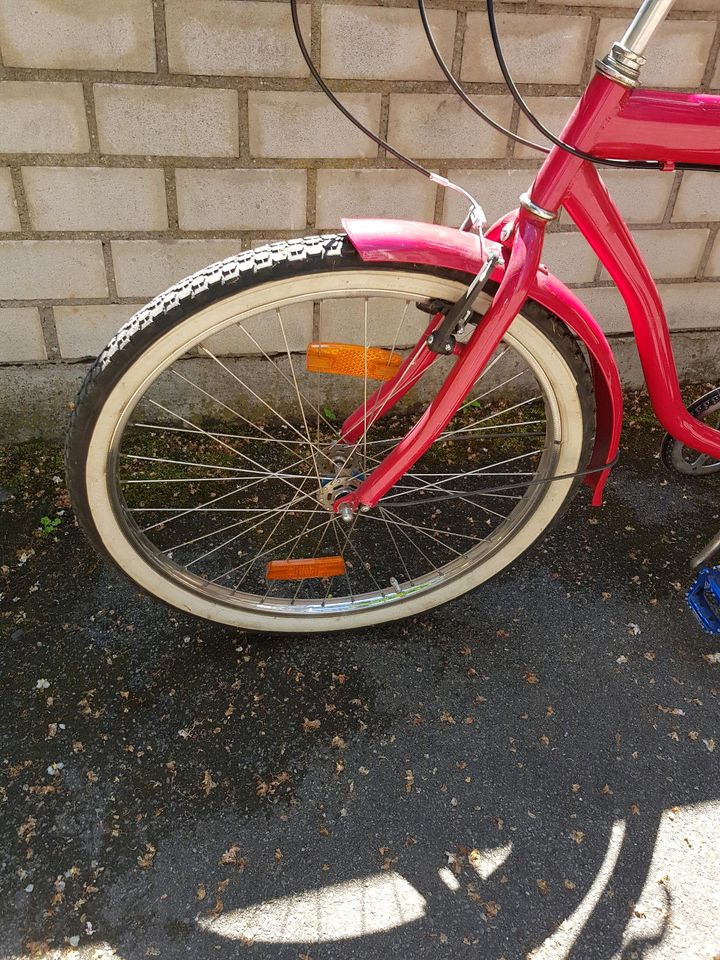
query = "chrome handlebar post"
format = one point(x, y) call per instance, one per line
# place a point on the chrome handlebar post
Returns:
point(626, 57)
point(648, 18)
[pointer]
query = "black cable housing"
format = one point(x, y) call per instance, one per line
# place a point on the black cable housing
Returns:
point(517, 97)
point(413, 164)
point(603, 161)
point(461, 92)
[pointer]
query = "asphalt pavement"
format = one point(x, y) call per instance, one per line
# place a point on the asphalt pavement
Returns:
point(532, 770)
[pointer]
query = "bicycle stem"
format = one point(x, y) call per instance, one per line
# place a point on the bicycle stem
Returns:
point(646, 21)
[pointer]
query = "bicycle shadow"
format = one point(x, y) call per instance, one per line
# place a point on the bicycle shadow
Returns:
point(480, 778)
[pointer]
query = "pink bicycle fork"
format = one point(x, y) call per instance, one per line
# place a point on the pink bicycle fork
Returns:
point(517, 280)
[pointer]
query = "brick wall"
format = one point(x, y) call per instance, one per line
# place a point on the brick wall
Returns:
point(142, 139)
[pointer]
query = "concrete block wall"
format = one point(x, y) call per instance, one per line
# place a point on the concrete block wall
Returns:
point(142, 139)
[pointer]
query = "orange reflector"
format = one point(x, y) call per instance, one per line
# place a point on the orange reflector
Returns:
point(305, 569)
point(348, 360)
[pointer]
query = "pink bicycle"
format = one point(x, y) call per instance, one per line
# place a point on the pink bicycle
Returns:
point(341, 430)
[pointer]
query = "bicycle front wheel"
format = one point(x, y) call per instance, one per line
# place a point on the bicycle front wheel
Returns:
point(204, 454)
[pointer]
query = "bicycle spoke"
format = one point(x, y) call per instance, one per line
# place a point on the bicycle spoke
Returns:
point(299, 398)
point(207, 503)
point(293, 382)
point(226, 436)
point(222, 443)
point(268, 552)
point(263, 402)
point(349, 543)
point(230, 526)
point(220, 403)
point(403, 531)
point(400, 522)
point(267, 540)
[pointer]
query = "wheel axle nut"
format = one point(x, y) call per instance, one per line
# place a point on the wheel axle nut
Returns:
point(346, 512)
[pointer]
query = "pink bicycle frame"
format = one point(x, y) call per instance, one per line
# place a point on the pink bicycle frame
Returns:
point(609, 120)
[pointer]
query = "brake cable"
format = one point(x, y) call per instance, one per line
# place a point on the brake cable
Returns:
point(517, 97)
point(463, 94)
point(474, 495)
point(634, 164)
point(478, 213)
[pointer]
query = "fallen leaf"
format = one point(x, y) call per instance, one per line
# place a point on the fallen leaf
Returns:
point(201, 892)
point(208, 784)
point(649, 655)
point(26, 831)
point(710, 744)
point(607, 791)
point(232, 858)
point(491, 908)
point(578, 836)
point(531, 677)
point(543, 886)
point(16, 769)
point(266, 786)
point(568, 884)
point(409, 781)
point(310, 725)
point(145, 860)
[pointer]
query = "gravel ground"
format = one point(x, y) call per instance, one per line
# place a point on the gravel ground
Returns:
point(530, 770)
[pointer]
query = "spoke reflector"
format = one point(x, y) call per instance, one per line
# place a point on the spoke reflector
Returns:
point(349, 359)
point(305, 569)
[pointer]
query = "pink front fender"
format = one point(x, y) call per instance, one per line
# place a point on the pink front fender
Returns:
point(404, 241)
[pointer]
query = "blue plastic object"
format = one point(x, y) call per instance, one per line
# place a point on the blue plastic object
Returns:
point(704, 599)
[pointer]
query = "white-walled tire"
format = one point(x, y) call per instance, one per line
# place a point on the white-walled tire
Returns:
point(160, 345)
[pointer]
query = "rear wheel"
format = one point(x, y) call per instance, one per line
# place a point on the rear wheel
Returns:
point(204, 457)
point(682, 459)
